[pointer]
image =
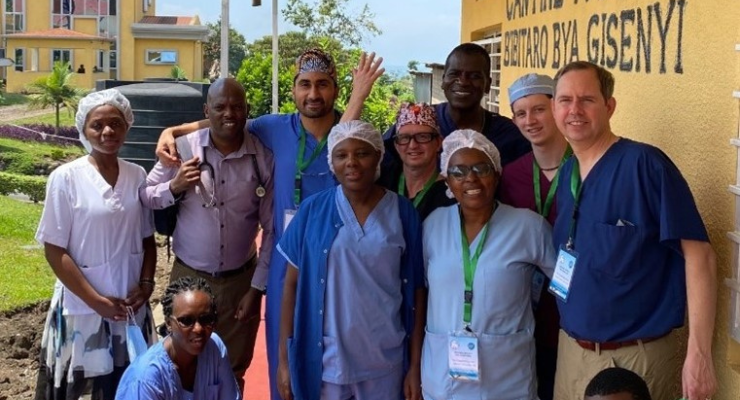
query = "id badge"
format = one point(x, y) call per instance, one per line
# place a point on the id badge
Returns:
point(561, 278)
point(462, 356)
point(287, 218)
point(538, 283)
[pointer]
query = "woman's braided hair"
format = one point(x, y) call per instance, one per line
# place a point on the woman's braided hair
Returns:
point(182, 285)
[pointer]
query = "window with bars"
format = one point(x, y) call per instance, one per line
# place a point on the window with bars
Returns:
point(492, 44)
point(20, 59)
point(63, 13)
point(734, 237)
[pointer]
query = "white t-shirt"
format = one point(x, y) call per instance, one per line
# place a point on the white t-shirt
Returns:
point(101, 227)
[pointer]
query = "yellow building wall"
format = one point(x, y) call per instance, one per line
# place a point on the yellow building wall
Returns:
point(84, 52)
point(38, 15)
point(130, 12)
point(189, 56)
point(675, 66)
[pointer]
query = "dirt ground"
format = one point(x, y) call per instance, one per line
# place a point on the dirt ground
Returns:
point(18, 111)
point(20, 339)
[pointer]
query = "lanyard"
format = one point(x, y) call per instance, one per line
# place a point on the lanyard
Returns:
point(469, 266)
point(302, 164)
point(576, 186)
point(545, 211)
point(422, 192)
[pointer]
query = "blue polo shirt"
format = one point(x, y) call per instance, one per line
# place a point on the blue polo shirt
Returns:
point(308, 242)
point(629, 280)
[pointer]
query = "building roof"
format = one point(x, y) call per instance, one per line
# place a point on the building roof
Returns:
point(166, 20)
point(56, 33)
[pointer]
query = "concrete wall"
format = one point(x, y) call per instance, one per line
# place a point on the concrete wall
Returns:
point(675, 66)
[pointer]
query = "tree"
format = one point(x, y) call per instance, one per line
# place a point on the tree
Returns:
point(212, 47)
point(56, 90)
point(413, 65)
point(329, 18)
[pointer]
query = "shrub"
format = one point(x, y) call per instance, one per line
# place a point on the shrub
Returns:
point(66, 136)
point(33, 186)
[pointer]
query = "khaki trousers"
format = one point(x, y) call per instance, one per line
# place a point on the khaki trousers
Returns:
point(238, 336)
point(658, 362)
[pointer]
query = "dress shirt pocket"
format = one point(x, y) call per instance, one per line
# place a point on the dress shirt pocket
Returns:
point(617, 249)
point(435, 377)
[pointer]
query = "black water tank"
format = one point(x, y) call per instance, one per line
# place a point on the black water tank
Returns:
point(157, 106)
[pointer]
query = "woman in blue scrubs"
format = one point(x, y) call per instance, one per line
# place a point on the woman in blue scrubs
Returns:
point(480, 256)
point(354, 298)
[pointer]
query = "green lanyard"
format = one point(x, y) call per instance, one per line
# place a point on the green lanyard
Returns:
point(544, 212)
point(422, 192)
point(469, 266)
point(576, 186)
point(302, 164)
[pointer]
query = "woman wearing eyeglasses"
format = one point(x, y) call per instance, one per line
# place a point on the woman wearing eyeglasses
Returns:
point(191, 362)
point(353, 303)
point(480, 256)
point(418, 143)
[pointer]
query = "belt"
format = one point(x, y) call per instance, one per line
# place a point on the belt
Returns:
point(220, 274)
point(588, 345)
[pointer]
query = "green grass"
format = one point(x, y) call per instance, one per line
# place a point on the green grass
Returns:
point(22, 157)
point(26, 277)
point(65, 119)
point(10, 99)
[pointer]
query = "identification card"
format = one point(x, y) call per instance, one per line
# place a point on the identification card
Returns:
point(538, 283)
point(462, 357)
point(561, 278)
point(287, 218)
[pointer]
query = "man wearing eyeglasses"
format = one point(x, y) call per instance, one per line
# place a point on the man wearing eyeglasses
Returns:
point(225, 194)
point(418, 143)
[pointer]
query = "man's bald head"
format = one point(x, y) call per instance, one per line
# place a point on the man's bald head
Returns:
point(223, 84)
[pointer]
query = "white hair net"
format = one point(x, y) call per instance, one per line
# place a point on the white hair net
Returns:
point(468, 139)
point(111, 97)
point(356, 130)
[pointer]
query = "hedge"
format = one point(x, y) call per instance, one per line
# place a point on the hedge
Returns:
point(33, 186)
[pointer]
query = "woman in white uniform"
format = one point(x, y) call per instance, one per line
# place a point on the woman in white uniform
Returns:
point(99, 242)
point(479, 256)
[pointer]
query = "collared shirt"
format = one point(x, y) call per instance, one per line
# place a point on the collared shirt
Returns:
point(153, 375)
point(307, 243)
point(629, 280)
point(221, 237)
point(517, 243)
point(100, 226)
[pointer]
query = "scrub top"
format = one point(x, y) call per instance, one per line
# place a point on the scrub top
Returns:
point(629, 280)
point(518, 242)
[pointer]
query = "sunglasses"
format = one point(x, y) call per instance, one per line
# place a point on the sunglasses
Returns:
point(188, 321)
point(460, 172)
point(419, 138)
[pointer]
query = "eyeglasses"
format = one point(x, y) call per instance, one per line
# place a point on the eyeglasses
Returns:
point(205, 320)
point(419, 138)
point(460, 172)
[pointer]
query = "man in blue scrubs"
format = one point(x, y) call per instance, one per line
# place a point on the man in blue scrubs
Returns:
point(633, 253)
point(298, 143)
point(466, 79)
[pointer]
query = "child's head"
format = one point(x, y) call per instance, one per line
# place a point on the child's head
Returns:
point(617, 384)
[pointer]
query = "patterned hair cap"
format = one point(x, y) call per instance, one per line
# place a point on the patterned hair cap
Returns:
point(316, 60)
point(417, 114)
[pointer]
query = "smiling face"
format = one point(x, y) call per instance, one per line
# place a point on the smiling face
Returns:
point(105, 129)
point(226, 109)
point(190, 306)
point(466, 79)
point(472, 191)
point(581, 112)
point(414, 154)
point(355, 163)
point(314, 94)
point(533, 116)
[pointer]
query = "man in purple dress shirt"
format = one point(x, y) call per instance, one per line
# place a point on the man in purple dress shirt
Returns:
point(225, 193)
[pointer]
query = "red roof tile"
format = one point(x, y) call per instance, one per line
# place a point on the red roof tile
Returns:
point(163, 20)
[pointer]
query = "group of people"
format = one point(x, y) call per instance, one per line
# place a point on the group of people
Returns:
point(461, 254)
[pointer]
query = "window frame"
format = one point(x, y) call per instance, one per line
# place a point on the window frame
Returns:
point(147, 60)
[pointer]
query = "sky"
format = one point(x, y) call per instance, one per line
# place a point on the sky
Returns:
point(421, 30)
